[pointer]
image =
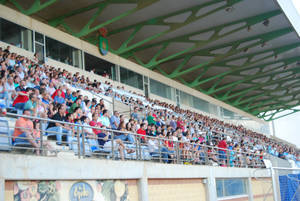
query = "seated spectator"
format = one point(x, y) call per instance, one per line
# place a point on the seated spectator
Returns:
point(58, 98)
point(31, 104)
point(104, 140)
point(142, 132)
point(76, 104)
point(24, 132)
point(60, 128)
point(155, 147)
point(37, 136)
point(134, 114)
point(169, 144)
point(21, 87)
point(3, 90)
point(22, 98)
point(151, 119)
point(10, 88)
point(115, 120)
point(124, 135)
point(104, 119)
point(94, 123)
point(90, 135)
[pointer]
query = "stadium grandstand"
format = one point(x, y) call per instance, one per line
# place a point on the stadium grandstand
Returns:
point(147, 100)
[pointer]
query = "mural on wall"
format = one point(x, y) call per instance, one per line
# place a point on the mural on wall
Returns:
point(36, 191)
point(100, 190)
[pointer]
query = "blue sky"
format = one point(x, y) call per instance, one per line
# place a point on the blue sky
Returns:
point(297, 5)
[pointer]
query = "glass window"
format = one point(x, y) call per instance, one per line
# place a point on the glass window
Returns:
point(186, 99)
point(161, 89)
point(17, 35)
point(201, 104)
point(64, 53)
point(131, 78)
point(99, 66)
point(231, 187)
point(39, 37)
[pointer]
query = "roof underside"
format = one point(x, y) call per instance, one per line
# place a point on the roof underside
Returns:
point(242, 52)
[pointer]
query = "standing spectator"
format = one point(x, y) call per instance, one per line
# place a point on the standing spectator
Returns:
point(222, 151)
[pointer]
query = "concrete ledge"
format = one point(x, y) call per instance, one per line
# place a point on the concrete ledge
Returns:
point(26, 167)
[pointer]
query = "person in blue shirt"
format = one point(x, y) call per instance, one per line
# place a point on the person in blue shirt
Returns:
point(115, 120)
point(58, 98)
point(31, 104)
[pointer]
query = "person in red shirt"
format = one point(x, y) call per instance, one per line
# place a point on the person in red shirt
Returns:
point(169, 144)
point(180, 124)
point(94, 123)
point(22, 98)
point(60, 88)
point(222, 151)
point(142, 131)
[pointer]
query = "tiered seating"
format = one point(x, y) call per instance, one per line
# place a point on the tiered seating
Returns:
point(194, 127)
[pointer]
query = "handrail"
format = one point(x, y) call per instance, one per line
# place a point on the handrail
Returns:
point(127, 132)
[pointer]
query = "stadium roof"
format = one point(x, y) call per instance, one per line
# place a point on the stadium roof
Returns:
point(242, 52)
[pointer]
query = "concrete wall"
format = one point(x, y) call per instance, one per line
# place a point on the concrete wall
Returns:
point(150, 177)
point(262, 189)
point(176, 190)
point(30, 23)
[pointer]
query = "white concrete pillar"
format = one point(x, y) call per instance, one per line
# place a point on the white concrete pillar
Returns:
point(211, 188)
point(2, 189)
point(251, 198)
point(143, 189)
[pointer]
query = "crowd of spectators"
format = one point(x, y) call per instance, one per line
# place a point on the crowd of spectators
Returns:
point(40, 90)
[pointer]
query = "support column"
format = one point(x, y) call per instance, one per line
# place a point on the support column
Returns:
point(2, 189)
point(211, 189)
point(143, 189)
point(251, 198)
point(274, 184)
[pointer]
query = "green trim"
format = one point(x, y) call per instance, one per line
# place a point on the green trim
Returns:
point(35, 7)
point(87, 29)
point(172, 26)
point(218, 58)
point(257, 75)
point(249, 57)
point(250, 21)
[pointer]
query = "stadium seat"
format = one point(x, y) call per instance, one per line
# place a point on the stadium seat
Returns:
point(5, 136)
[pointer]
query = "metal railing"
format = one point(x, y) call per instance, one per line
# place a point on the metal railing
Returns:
point(79, 140)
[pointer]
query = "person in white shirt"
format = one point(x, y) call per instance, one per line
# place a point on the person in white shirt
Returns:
point(51, 89)
point(10, 88)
